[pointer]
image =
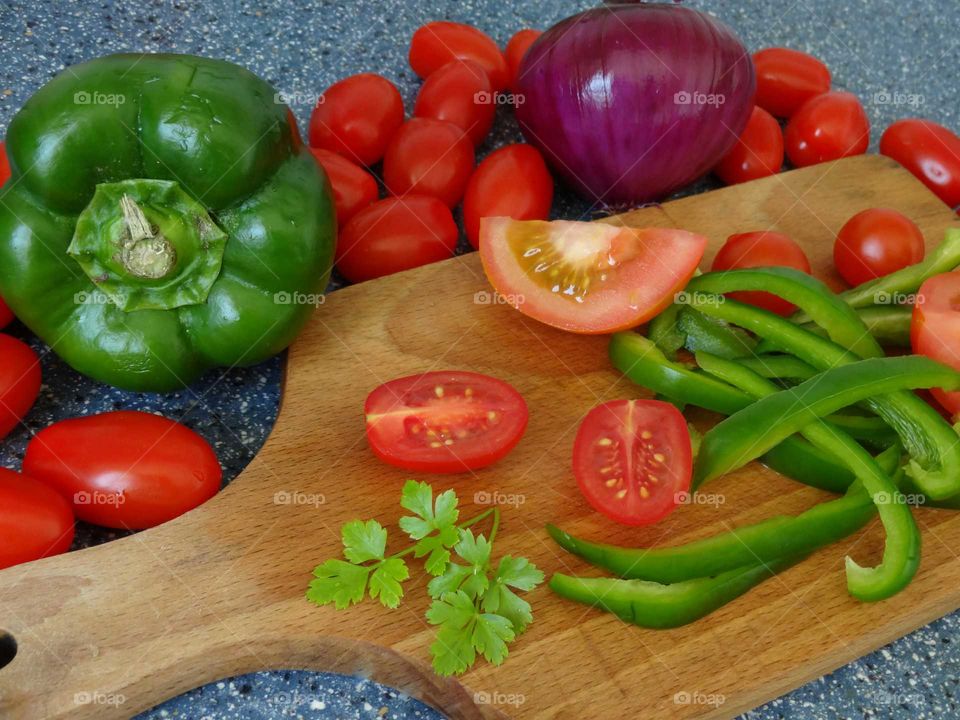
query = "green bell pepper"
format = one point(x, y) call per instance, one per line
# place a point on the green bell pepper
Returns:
point(161, 219)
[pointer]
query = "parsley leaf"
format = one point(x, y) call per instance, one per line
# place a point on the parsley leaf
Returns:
point(386, 579)
point(363, 541)
point(491, 633)
point(338, 582)
point(433, 526)
point(518, 573)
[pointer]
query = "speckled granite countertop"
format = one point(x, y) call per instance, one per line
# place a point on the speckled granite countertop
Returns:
point(885, 51)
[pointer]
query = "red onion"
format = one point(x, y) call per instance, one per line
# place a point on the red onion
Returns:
point(632, 102)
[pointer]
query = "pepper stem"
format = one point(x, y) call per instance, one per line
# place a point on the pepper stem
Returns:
point(144, 252)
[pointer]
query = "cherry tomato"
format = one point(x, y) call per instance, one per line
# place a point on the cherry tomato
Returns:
point(437, 43)
point(516, 48)
point(429, 157)
point(935, 329)
point(125, 469)
point(6, 314)
point(444, 422)
point(758, 153)
point(356, 117)
point(353, 187)
point(511, 182)
point(632, 460)
point(876, 242)
point(19, 382)
point(828, 127)
point(786, 79)
point(929, 151)
point(35, 520)
point(396, 234)
point(761, 249)
point(4, 164)
point(459, 93)
point(587, 277)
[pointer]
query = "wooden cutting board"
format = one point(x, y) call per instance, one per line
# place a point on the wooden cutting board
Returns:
point(220, 591)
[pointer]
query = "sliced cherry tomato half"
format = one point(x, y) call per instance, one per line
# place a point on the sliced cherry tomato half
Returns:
point(828, 127)
point(429, 157)
point(633, 460)
point(929, 151)
point(460, 94)
point(511, 182)
point(353, 187)
point(35, 520)
point(587, 277)
point(876, 242)
point(20, 379)
point(935, 329)
point(758, 153)
point(762, 249)
point(356, 117)
point(516, 48)
point(444, 422)
point(6, 314)
point(437, 43)
point(787, 78)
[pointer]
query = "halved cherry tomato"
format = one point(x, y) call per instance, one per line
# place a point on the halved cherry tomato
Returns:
point(429, 157)
point(763, 248)
point(511, 182)
point(353, 187)
point(356, 117)
point(437, 43)
point(4, 164)
point(459, 93)
point(35, 520)
point(6, 314)
point(929, 151)
point(587, 277)
point(444, 422)
point(516, 48)
point(935, 329)
point(828, 127)
point(632, 460)
point(125, 469)
point(19, 382)
point(876, 242)
point(758, 153)
point(786, 79)
point(396, 234)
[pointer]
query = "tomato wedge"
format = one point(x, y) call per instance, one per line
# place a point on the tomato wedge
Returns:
point(444, 422)
point(587, 277)
point(632, 460)
point(935, 328)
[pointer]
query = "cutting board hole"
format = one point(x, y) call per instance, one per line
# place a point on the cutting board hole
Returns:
point(8, 648)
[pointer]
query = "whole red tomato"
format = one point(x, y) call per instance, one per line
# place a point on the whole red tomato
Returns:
point(437, 43)
point(758, 153)
point(356, 117)
point(4, 164)
point(395, 234)
point(876, 242)
point(35, 520)
point(516, 48)
point(19, 382)
point(6, 314)
point(762, 249)
point(510, 182)
point(828, 127)
point(353, 187)
point(125, 469)
point(929, 151)
point(429, 157)
point(786, 79)
point(459, 93)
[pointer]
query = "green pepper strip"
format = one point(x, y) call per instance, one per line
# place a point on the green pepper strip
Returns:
point(931, 442)
point(779, 367)
point(715, 336)
point(657, 606)
point(888, 324)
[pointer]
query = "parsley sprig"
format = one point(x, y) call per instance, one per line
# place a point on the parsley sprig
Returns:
point(475, 604)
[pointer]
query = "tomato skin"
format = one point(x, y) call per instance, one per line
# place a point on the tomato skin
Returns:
point(510, 182)
point(20, 379)
point(125, 469)
point(876, 242)
point(935, 329)
point(633, 460)
point(763, 248)
point(758, 153)
point(6, 314)
point(435, 44)
point(930, 151)
point(787, 78)
point(4, 166)
point(444, 422)
point(35, 520)
point(429, 157)
point(828, 127)
point(356, 117)
point(353, 187)
point(396, 234)
point(516, 48)
point(459, 93)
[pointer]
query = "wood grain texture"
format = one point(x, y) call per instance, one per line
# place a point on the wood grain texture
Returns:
point(220, 591)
